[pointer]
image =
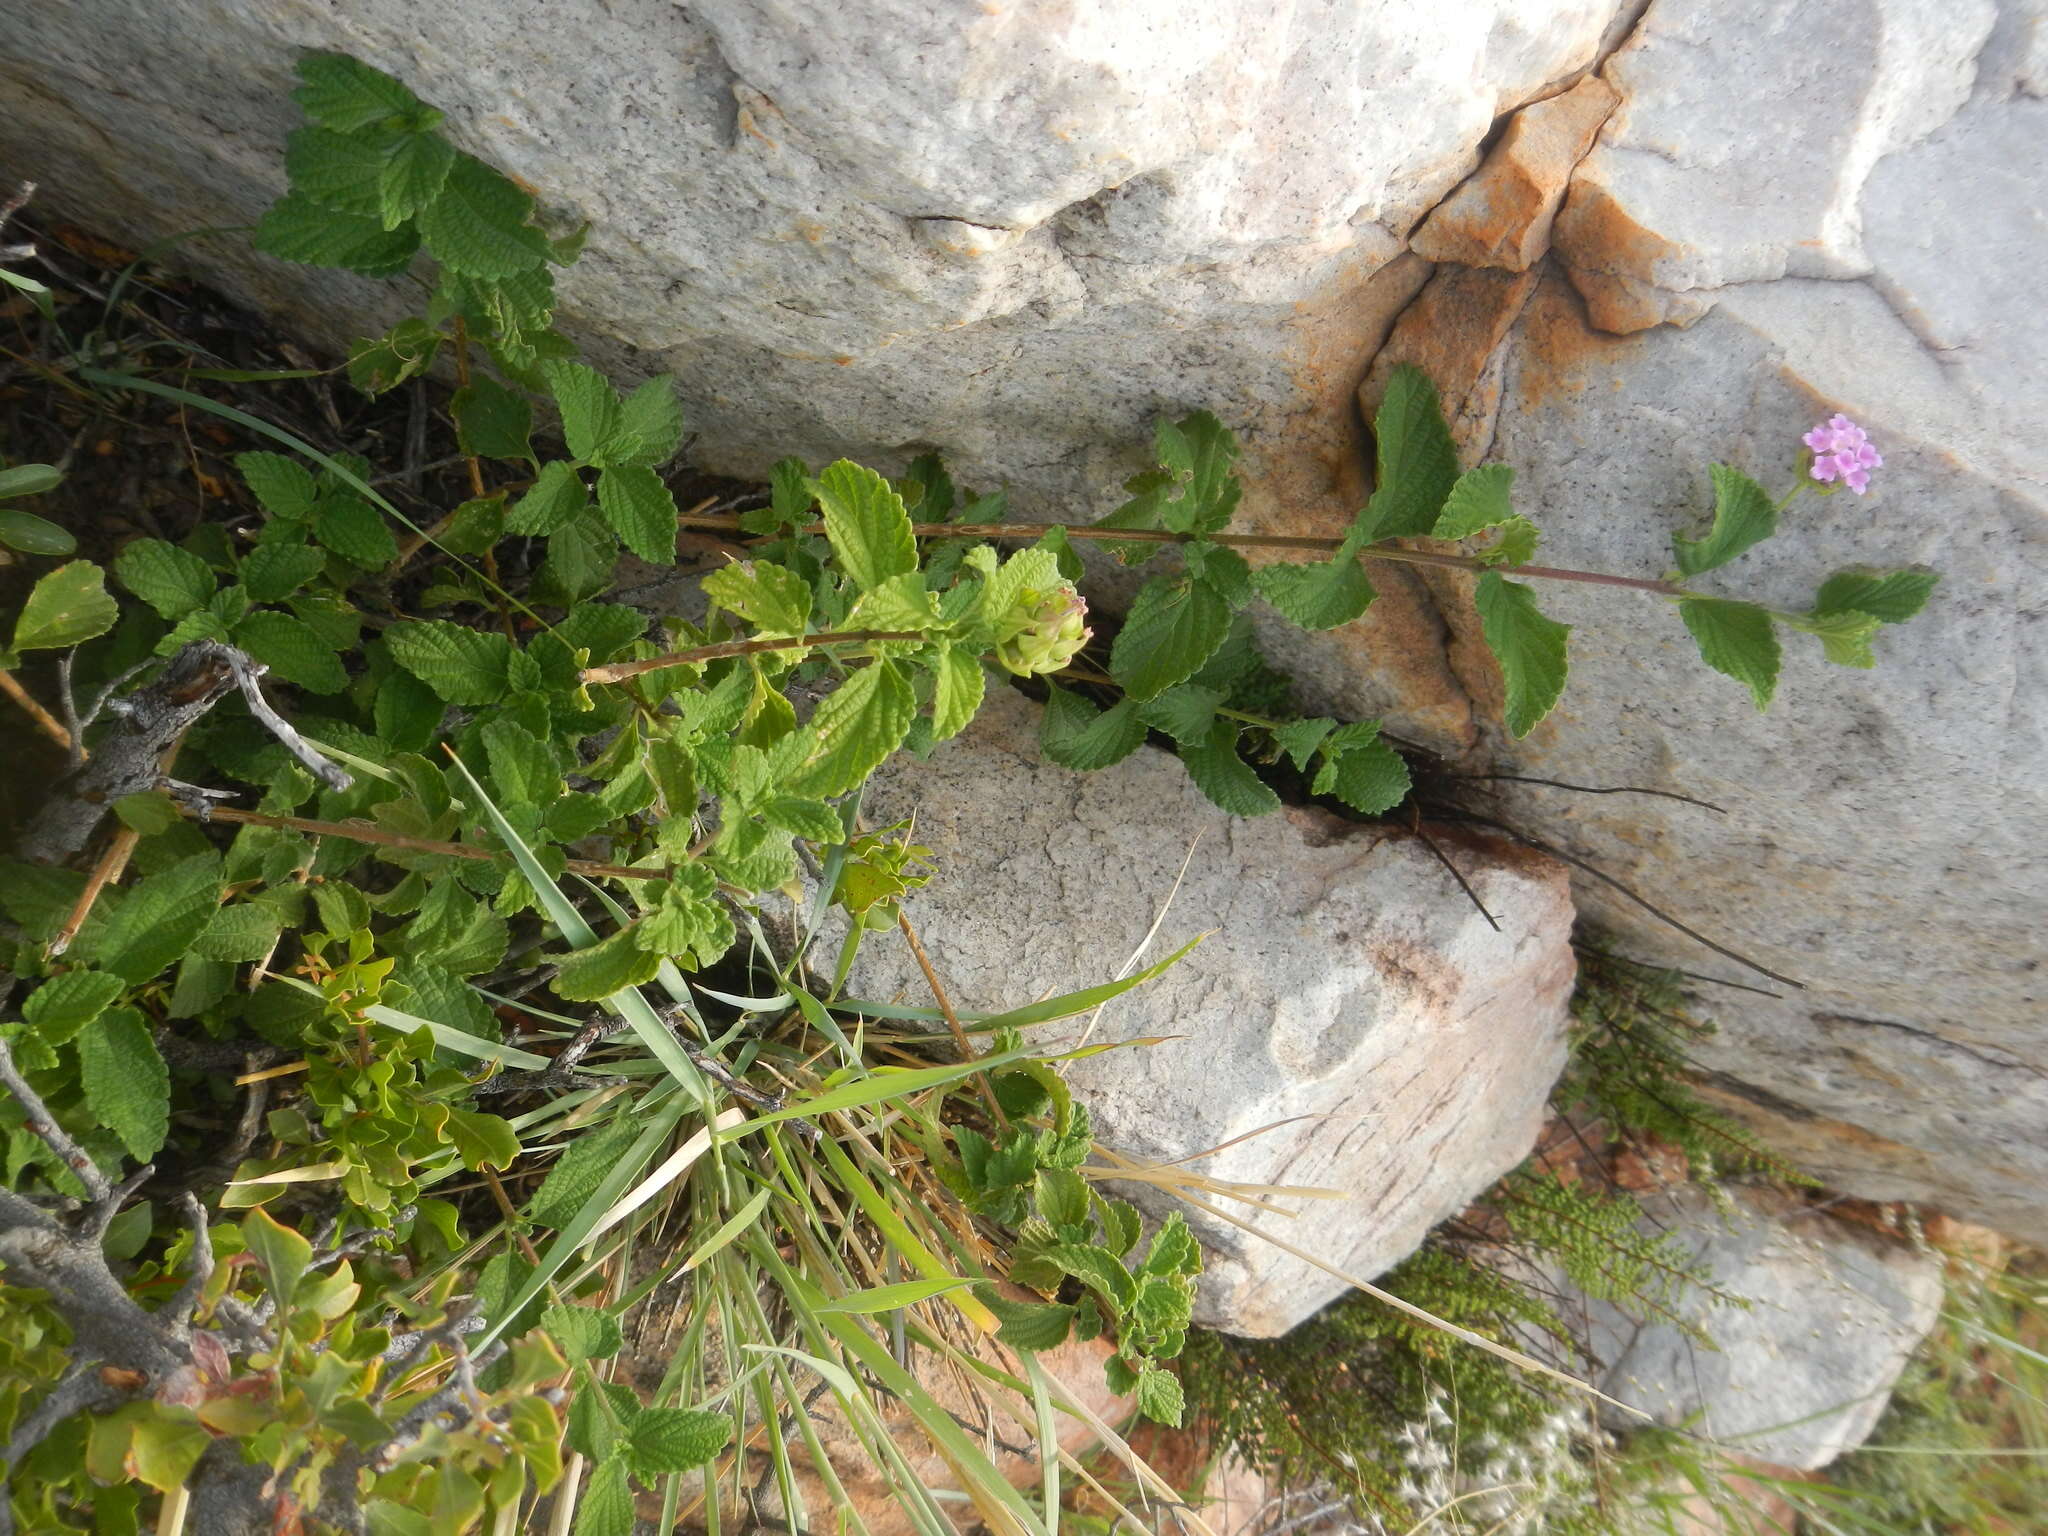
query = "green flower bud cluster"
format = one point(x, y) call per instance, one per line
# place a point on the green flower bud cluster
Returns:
point(1049, 630)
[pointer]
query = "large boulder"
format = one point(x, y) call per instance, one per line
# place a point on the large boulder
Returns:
point(1353, 1023)
point(1884, 832)
point(1800, 1374)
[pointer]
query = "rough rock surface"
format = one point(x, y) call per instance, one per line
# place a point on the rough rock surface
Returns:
point(1884, 835)
point(1501, 215)
point(1803, 1374)
point(1015, 231)
point(1347, 982)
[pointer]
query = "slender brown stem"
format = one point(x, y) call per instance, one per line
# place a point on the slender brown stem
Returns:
point(619, 671)
point(366, 832)
point(45, 721)
point(476, 468)
point(112, 865)
point(945, 1003)
point(1241, 541)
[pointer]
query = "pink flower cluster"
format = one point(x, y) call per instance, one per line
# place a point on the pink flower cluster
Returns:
point(1841, 450)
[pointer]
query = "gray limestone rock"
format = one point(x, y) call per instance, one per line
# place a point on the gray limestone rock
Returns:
point(1019, 232)
point(1351, 1023)
point(1884, 836)
point(1803, 1373)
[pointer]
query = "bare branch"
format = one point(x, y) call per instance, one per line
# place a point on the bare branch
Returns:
point(43, 1125)
point(186, 1302)
point(247, 670)
point(68, 702)
point(156, 717)
point(80, 1390)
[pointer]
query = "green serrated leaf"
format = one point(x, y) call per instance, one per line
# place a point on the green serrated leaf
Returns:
point(464, 666)
point(274, 571)
point(67, 607)
point(1417, 464)
point(641, 511)
point(1028, 1325)
point(1173, 627)
point(1480, 500)
point(407, 713)
point(1075, 734)
point(148, 811)
point(791, 496)
point(340, 171)
point(1199, 451)
point(345, 94)
point(1530, 648)
point(1743, 516)
point(1186, 713)
point(283, 485)
point(1320, 595)
point(812, 820)
point(1225, 777)
point(584, 1333)
point(772, 598)
point(296, 228)
point(378, 363)
point(353, 529)
point(474, 527)
point(412, 176)
point(1097, 1268)
point(1174, 1250)
point(556, 497)
point(578, 1172)
point(899, 604)
point(611, 965)
point(242, 932)
point(127, 1086)
point(1363, 771)
point(606, 1505)
point(1890, 597)
point(581, 558)
point(592, 413)
point(652, 419)
point(1844, 636)
point(523, 770)
point(171, 580)
point(477, 226)
point(660, 1440)
point(1300, 738)
point(958, 683)
point(855, 729)
point(691, 924)
point(1224, 571)
point(491, 421)
point(159, 919)
point(1736, 639)
point(63, 1005)
point(290, 649)
point(1160, 1397)
point(866, 523)
point(1061, 1196)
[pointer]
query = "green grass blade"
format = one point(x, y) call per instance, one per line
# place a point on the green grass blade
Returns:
point(660, 1120)
point(638, 1013)
point(731, 1228)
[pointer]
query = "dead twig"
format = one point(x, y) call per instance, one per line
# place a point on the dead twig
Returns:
point(157, 716)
